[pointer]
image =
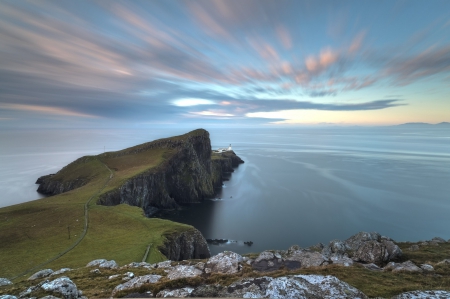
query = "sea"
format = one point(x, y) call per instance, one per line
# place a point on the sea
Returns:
point(301, 185)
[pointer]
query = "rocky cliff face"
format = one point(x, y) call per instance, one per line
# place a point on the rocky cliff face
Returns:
point(189, 244)
point(188, 176)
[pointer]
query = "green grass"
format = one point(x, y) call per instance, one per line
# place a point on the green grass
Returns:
point(32, 233)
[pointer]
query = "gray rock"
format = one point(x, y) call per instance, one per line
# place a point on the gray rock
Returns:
point(129, 274)
point(433, 243)
point(165, 264)
point(423, 295)
point(41, 274)
point(61, 271)
point(371, 252)
point(186, 245)
point(31, 289)
point(438, 239)
point(113, 276)
point(183, 271)
point(136, 283)
point(200, 266)
point(317, 247)
point(444, 262)
point(336, 247)
point(63, 286)
point(384, 238)
point(311, 286)
point(7, 297)
point(138, 265)
point(50, 297)
point(424, 243)
point(394, 252)
point(427, 267)
point(226, 262)
point(267, 261)
point(414, 247)
point(109, 265)
point(178, 293)
point(407, 266)
point(5, 282)
point(207, 291)
point(305, 258)
point(247, 288)
point(342, 260)
point(95, 263)
point(95, 271)
point(355, 241)
point(372, 267)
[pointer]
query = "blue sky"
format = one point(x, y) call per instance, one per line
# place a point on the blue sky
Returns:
point(147, 63)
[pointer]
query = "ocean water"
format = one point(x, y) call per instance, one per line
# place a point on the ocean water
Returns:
point(297, 185)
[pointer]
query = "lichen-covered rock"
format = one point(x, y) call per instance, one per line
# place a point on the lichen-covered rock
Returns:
point(7, 297)
point(5, 282)
point(208, 290)
point(372, 267)
point(407, 266)
point(183, 271)
point(371, 252)
point(226, 262)
point(62, 286)
point(247, 288)
point(178, 293)
point(311, 286)
point(423, 295)
point(267, 261)
point(305, 258)
point(60, 271)
point(95, 263)
point(189, 244)
point(427, 268)
point(102, 263)
point(136, 283)
point(394, 252)
point(336, 247)
point(355, 241)
point(342, 260)
point(41, 274)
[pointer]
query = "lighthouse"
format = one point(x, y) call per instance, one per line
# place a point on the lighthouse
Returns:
point(229, 148)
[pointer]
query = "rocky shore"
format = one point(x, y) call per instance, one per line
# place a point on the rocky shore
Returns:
point(269, 274)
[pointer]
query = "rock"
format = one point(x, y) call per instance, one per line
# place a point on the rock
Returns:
point(267, 261)
point(109, 265)
point(226, 262)
point(424, 243)
point(129, 274)
point(384, 238)
point(394, 252)
point(311, 286)
point(207, 291)
point(355, 241)
point(178, 293)
point(50, 297)
point(183, 271)
point(414, 247)
point(5, 282)
point(247, 288)
point(95, 263)
point(407, 266)
point(113, 276)
point(423, 295)
point(317, 247)
point(136, 283)
point(444, 262)
point(41, 274)
point(200, 266)
point(63, 286)
point(438, 240)
point(95, 271)
point(372, 267)
point(433, 243)
point(189, 244)
point(7, 297)
point(334, 247)
point(165, 264)
point(343, 260)
point(305, 259)
point(427, 267)
point(371, 252)
point(61, 271)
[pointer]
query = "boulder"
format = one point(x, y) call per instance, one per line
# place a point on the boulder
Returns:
point(371, 252)
point(5, 282)
point(136, 283)
point(423, 295)
point(444, 262)
point(61, 271)
point(414, 247)
point(305, 258)
point(226, 262)
point(394, 252)
point(438, 240)
point(207, 290)
point(50, 297)
point(7, 297)
point(407, 266)
point(355, 241)
point(434, 243)
point(336, 247)
point(427, 268)
point(311, 286)
point(41, 274)
point(183, 271)
point(109, 265)
point(342, 260)
point(247, 288)
point(113, 276)
point(165, 264)
point(95, 263)
point(178, 293)
point(267, 261)
point(372, 267)
point(62, 286)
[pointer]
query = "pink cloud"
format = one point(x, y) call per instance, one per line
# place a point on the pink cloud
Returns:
point(45, 110)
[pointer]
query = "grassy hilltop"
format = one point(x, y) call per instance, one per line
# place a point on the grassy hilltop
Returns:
point(32, 233)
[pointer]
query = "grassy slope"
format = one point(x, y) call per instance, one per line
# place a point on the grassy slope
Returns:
point(33, 232)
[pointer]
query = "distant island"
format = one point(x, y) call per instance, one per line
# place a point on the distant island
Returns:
point(421, 124)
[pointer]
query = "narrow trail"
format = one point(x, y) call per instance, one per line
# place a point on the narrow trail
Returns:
point(86, 226)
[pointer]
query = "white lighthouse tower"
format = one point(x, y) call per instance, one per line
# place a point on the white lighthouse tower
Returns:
point(229, 148)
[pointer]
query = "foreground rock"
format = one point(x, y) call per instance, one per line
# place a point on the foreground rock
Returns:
point(5, 282)
point(407, 266)
point(183, 271)
point(226, 262)
point(136, 283)
point(423, 295)
point(62, 286)
point(102, 263)
point(41, 274)
point(297, 286)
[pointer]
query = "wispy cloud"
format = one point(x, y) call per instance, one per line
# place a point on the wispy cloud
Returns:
point(45, 110)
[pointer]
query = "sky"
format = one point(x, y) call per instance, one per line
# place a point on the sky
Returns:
point(224, 63)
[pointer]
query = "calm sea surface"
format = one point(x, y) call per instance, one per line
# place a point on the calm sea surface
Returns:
point(297, 186)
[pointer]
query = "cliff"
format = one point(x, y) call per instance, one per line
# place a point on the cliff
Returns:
point(189, 244)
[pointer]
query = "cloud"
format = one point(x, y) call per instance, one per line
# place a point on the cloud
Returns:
point(45, 110)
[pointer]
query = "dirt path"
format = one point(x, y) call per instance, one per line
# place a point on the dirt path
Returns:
point(86, 226)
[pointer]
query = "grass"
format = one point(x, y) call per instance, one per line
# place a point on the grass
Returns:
point(32, 233)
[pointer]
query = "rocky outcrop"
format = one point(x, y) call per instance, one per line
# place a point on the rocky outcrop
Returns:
point(62, 286)
point(226, 262)
point(102, 263)
point(136, 283)
point(189, 244)
point(41, 274)
point(5, 282)
point(423, 295)
point(407, 266)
